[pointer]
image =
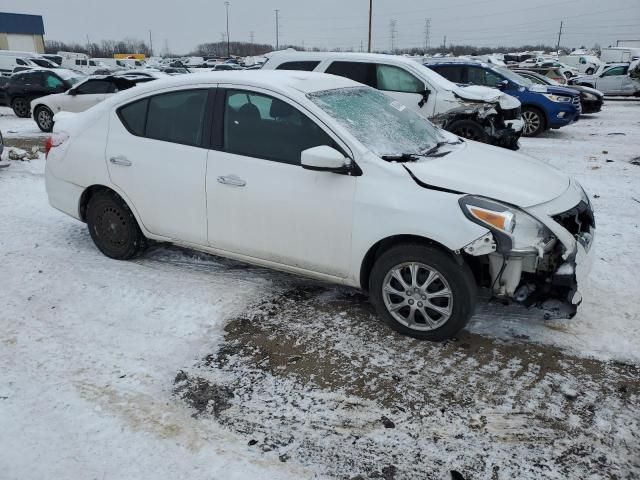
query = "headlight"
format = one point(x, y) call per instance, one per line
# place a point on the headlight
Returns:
point(513, 228)
point(558, 98)
point(589, 96)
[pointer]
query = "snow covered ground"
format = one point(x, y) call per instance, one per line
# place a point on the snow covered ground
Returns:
point(182, 365)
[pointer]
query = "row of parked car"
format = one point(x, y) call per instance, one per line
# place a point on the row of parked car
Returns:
point(472, 99)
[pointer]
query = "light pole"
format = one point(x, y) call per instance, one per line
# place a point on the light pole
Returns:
point(226, 4)
point(370, 15)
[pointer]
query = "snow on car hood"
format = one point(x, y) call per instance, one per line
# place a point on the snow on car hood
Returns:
point(476, 168)
point(477, 93)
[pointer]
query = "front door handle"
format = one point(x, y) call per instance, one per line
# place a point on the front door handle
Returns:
point(232, 180)
point(120, 160)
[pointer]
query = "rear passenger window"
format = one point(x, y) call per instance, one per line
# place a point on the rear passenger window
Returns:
point(453, 73)
point(177, 117)
point(395, 79)
point(94, 87)
point(357, 71)
point(171, 117)
point(305, 66)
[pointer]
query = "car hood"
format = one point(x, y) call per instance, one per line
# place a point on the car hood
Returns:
point(561, 91)
point(480, 169)
point(477, 93)
point(582, 89)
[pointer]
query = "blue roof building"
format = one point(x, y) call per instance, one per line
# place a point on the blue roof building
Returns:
point(21, 32)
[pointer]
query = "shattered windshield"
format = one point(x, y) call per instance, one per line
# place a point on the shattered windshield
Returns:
point(380, 123)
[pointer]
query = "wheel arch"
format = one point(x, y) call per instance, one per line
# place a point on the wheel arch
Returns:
point(385, 244)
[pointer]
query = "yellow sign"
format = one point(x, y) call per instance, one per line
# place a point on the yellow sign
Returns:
point(122, 56)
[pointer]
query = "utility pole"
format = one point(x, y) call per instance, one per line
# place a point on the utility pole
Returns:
point(226, 4)
point(559, 35)
point(150, 45)
point(277, 29)
point(393, 31)
point(427, 33)
point(370, 15)
point(444, 43)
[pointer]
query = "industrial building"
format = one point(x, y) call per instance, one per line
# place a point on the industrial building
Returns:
point(21, 32)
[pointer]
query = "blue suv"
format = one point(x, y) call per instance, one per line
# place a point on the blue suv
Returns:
point(543, 106)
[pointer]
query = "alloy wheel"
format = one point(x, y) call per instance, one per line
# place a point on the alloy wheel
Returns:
point(44, 119)
point(417, 296)
point(20, 107)
point(531, 122)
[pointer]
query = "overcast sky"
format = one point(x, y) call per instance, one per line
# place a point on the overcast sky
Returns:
point(338, 23)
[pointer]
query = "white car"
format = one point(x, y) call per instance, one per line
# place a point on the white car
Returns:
point(321, 176)
point(586, 64)
point(79, 98)
point(476, 112)
point(611, 79)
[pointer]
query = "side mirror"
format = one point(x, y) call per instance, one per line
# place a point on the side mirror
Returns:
point(425, 97)
point(324, 159)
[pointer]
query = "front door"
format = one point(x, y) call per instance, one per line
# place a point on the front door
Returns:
point(156, 155)
point(261, 203)
point(610, 82)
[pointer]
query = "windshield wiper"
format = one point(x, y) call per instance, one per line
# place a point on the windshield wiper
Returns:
point(431, 150)
point(401, 157)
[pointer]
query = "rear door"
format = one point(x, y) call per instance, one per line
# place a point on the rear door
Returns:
point(156, 154)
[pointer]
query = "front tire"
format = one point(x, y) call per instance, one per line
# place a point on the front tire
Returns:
point(590, 71)
point(20, 107)
point(534, 122)
point(44, 118)
point(469, 129)
point(422, 292)
point(113, 227)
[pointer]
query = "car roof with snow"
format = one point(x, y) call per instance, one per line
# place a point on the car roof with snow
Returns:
point(290, 83)
point(285, 55)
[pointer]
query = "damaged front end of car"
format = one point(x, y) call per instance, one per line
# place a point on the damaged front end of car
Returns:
point(532, 258)
point(483, 122)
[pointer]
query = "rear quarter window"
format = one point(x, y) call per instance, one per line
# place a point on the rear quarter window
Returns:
point(134, 116)
point(306, 66)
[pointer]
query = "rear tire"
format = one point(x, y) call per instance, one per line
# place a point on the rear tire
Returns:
point(20, 107)
point(534, 122)
point(113, 227)
point(44, 118)
point(434, 303)
point(469, 129)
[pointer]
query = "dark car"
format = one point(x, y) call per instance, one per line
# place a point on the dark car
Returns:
point(590, 98)
point(3, 88)
point(23, 87)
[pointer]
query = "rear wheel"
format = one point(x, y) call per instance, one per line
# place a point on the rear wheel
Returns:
point(44, 118)
point(20, 107)
point(113, 227)
point(422, 292)
point(534, 122)
point(469, 129)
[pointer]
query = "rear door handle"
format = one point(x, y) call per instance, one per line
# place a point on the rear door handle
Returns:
point(120, 160)
point(232, 180)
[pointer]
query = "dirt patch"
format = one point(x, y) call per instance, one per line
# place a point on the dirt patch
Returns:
point(313, 375)
point(201, 395)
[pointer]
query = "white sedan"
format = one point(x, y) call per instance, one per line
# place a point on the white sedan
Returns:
point(321, 176)
point(80, 97)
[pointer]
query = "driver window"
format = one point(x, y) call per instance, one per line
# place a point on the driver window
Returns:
point(614, 71)
point(395, 79)
point(95, 87)
point(277, 131)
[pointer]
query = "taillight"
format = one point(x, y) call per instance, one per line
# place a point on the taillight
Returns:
point(54, 141)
